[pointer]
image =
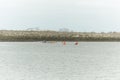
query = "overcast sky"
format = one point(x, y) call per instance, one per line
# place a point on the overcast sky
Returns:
point(77, 15)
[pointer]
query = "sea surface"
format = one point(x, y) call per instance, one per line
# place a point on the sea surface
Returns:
point(55, 61)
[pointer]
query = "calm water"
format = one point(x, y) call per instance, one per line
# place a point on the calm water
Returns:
point(54, 61)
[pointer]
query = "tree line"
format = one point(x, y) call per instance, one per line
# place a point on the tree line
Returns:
point(17, 35)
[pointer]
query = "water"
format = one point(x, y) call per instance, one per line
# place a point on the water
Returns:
point(54, 61)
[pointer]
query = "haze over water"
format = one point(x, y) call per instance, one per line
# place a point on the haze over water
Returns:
point(55, 61)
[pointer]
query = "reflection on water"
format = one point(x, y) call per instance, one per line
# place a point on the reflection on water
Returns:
point(48, 61)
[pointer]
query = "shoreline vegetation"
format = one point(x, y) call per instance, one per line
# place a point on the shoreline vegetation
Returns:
point(33, 36)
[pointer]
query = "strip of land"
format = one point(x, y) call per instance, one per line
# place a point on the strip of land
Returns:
point(15, 35)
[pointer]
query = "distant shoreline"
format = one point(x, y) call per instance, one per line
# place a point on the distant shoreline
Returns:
point(38, 36)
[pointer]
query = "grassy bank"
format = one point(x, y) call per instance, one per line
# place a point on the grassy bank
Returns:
point(10, 35)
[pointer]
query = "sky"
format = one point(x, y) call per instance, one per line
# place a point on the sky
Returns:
point(76, 15)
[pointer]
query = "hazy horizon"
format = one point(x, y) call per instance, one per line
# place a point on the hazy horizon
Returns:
point(76, 15)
